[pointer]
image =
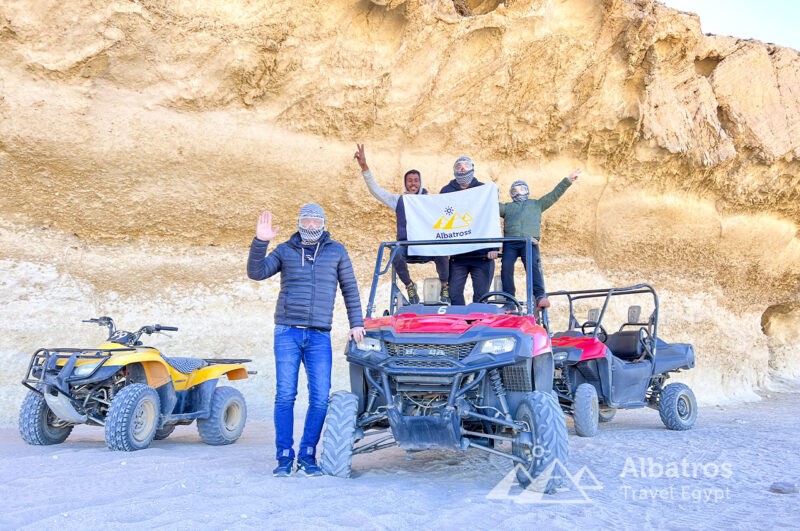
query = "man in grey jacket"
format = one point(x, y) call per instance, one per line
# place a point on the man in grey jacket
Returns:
point(311, 265)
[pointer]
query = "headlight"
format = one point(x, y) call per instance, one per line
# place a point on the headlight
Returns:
point(85, 369)
point(497, 346)
point(559, 356)
point(369, 344)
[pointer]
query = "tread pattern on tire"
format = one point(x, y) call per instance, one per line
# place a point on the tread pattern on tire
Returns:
point(33, 419)
point(668, 410)
point(212, 430)
point(585, 410)
point(550, 434)
point(340, 430)
point(120, 414)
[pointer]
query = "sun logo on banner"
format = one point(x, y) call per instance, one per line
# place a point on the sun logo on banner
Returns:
point(452, 220)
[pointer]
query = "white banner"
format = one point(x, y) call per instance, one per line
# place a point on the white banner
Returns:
point(465, 215)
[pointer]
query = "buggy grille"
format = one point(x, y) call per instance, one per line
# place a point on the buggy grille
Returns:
point(517, 378)
point(431, 350)
point(417, 363)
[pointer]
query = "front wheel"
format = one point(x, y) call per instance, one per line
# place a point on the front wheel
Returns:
point(340, 434)
point(546, 461)
point(38, 425)
point(132, 418)
point(677, 407)
point(585, 410)
point(227, 419)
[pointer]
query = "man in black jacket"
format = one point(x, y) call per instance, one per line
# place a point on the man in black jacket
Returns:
point(311, 265)
point(477, 264)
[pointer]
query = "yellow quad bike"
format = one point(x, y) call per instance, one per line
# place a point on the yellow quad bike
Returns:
point(134, 391)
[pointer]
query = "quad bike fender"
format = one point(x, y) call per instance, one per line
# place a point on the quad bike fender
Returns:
point(155, 368)
point(233, 371)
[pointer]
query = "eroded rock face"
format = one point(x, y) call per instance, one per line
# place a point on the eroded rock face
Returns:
point(174, 123)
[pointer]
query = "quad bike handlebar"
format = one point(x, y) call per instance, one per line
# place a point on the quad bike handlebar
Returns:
point(125, 337)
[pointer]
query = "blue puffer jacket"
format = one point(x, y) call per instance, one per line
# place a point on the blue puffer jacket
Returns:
point(308, 286)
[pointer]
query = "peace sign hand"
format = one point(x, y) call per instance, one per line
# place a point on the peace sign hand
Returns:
point(361, 157)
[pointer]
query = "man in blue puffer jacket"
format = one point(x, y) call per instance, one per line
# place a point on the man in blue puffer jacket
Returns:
point(311, 265)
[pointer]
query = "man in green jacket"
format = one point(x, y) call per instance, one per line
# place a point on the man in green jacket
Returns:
point(523, 217)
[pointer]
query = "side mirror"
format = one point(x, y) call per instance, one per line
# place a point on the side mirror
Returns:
point(634, 312)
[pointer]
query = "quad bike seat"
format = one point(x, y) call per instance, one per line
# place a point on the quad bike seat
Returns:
point(185, 365)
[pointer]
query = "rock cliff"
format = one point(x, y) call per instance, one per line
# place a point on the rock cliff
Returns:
point(140, 139)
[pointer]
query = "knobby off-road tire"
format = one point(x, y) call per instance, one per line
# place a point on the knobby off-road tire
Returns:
point(132, 418)
point(227, 419)
point(586, 410)
point(36, 422)
point(547, 460)
point(340, 433)
point(677, 407)
point(164, 432)
point(607, 414)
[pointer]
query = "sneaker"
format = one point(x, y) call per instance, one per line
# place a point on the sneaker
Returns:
point(543, 303)
point(307, 466)
point(284, 468)
point(444, 295)
point(413, 296)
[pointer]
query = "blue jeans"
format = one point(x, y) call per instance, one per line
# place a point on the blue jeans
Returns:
point(512, 251)
point(481, 270)
point(312, 347)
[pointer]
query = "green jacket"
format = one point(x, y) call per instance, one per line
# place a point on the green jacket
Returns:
point(524, 218)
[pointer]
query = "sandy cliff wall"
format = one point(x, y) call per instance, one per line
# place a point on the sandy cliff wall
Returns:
point(139, 140)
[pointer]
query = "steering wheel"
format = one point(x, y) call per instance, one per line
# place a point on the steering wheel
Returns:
point(506, 297)
point(600, 330)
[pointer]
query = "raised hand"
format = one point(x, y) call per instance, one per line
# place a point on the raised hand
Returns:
point(264, 230)
point(361, 157)
point(574, 175)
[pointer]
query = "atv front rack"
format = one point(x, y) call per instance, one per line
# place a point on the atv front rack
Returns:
point(45, 361)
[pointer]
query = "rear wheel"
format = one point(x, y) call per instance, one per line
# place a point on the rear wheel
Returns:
point(585, 410)
point(340, 434)
point(38, 425)
point(607, 414)
point(545, 461)
point(227, 419)
point(677, 407)
point(132, 418)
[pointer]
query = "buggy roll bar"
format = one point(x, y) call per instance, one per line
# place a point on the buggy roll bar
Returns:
point(396, 245)
point(607, 293)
